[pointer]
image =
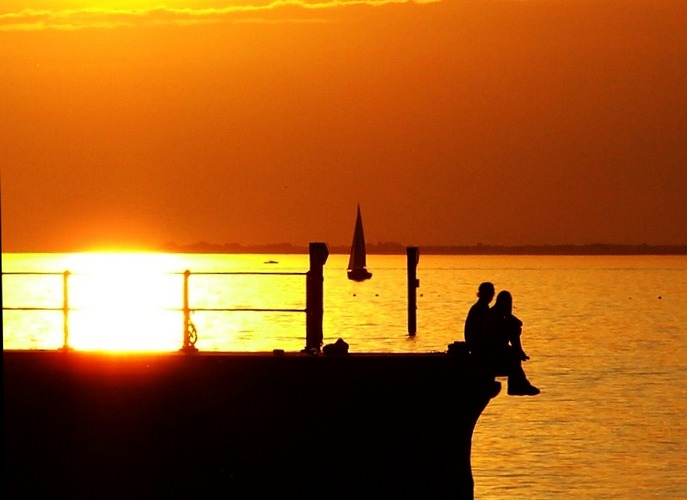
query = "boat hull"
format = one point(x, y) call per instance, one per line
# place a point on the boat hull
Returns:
point(359, 274)
point(239, 425)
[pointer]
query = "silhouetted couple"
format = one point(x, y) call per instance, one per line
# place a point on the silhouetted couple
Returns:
point(493, 337)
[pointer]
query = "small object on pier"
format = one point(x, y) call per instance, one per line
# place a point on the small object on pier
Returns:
point(338, 348)
point(278, 352)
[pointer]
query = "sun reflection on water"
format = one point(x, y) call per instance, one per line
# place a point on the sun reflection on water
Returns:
point(135, 301)
point(124, 301)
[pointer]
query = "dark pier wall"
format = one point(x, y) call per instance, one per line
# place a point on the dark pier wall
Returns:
point(233, 425)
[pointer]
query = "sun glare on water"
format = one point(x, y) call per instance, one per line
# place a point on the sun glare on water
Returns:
point(125, 302)
point(118, 301)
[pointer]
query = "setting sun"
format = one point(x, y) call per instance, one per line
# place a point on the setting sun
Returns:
point(135, 301)
point(123, 302)
point(120, 301)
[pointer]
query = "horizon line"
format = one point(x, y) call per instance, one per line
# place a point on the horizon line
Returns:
point(392, 248)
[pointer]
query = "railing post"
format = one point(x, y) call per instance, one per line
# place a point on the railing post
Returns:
point(65, 310)
point(413, 257)
point(190, 333)
point(314, 299)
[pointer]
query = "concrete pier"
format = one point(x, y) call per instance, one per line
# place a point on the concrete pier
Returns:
point(240, 425)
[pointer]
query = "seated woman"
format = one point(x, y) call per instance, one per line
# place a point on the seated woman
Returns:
point(502, 349)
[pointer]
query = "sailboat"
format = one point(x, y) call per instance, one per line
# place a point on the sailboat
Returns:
point(357, 262)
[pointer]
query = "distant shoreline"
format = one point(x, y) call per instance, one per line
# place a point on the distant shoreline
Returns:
point(398, 249)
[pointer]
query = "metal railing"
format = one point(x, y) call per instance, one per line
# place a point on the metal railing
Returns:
point(65, 300)
point(314, 300)
point(190, 334)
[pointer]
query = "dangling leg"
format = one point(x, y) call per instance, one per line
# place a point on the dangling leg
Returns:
point(517, 345)
point(518, 385)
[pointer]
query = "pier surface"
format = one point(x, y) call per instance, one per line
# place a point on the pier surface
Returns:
point(239, 425)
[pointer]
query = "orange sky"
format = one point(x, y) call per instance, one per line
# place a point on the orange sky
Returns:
point(124, 124)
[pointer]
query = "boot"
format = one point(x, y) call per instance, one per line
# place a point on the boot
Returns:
point(523, 388)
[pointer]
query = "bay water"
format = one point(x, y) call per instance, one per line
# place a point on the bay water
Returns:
point(607, 337)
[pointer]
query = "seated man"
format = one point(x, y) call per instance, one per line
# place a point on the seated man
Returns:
point(476, 321)
point(494, 339)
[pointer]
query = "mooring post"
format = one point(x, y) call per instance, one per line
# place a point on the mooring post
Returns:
point(190, 334)
point(413, 257)
point(314, 297)
point(65, 310)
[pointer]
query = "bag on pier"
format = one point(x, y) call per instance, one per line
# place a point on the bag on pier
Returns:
point(338, 348)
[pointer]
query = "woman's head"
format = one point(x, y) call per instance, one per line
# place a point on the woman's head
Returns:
point(504, 302)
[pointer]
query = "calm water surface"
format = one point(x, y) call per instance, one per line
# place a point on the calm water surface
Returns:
point(606, 336)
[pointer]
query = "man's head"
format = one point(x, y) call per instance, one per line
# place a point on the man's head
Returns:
point(486, 291)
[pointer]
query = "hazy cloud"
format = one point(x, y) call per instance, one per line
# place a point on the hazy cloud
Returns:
point(75, 19)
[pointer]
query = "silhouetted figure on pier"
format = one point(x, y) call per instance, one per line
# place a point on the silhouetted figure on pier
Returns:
point(494, 339)
point(476, 321)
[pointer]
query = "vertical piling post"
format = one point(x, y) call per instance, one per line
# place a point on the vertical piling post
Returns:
point(413, 257)
point(65, 310)
point(190, 335)
point(314, 297)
